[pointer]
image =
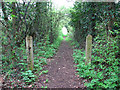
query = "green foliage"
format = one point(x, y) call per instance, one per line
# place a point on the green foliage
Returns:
point(47, 50)
point(75, 44)
point(45, 71)
point(68, 38)
point(13, 16)
point(28, 77)
point(97, 19)
point(103, 71)
point(46, 81)
point(19, 20)
point(44, 87)
point(85, 16)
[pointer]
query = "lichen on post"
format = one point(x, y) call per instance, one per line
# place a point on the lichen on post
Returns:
point(29, 51)
point(88, 49)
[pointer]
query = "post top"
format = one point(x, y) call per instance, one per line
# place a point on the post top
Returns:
point(89, 36)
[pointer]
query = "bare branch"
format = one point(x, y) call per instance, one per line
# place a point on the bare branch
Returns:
point(3, 23)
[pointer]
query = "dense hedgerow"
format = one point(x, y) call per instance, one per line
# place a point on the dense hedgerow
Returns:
point(42, 50)
point(103, 71)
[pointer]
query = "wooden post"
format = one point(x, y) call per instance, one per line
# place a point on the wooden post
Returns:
point(29, 50)
point(88, 49)
point(1, 78)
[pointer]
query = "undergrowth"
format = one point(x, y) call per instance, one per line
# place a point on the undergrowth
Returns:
point(19, 75)
point(103, 71)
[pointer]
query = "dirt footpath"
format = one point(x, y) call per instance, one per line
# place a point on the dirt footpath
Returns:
point(61, 70)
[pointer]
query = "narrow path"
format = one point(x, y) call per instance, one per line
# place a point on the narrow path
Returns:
point(61, 71)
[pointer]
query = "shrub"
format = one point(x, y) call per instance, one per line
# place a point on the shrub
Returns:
point(102, 72)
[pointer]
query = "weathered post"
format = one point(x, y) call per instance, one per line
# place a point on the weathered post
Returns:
point(1, 34)
point(88, 49)
point(29, 50)
point(1, 80)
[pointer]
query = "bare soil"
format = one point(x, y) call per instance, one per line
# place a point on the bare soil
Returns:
point(61, 70)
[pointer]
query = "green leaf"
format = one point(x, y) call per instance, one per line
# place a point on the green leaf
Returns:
point(13, 16)
point(22, 13)
point(45, 86)
point(42, 87)
point(24, 57)
point(45, 71)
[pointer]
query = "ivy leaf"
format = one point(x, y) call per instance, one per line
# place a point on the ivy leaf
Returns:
point(22, 13)
point(13, 16)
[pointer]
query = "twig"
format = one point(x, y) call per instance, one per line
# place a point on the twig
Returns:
point(6, 74)
point(24, 17)
point(3, 23)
